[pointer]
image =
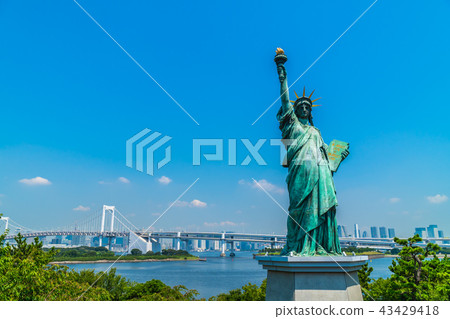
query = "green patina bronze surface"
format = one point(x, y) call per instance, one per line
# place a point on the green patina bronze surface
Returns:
point(311, 225)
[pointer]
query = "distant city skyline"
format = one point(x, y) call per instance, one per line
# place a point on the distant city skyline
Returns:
point(431, 231)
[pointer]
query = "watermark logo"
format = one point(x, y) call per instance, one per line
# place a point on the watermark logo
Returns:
point(252, 149)
point(143, 146)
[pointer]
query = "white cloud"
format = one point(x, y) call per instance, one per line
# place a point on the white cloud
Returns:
point(227, 223)
point(156, 214)
point(394, 200)
point(210, 224)
point(197, 203)
point(437, 199)
point(124, 180)
point(36, 181)
point(266, 185)
point(164, 180)
point(81, 208)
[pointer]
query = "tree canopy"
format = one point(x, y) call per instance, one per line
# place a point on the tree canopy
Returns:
point(417, 274)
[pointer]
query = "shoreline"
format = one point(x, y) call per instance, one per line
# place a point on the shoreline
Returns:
point(105, 261)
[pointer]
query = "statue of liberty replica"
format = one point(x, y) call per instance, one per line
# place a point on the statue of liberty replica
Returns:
point(311, 266)
point(311, 225)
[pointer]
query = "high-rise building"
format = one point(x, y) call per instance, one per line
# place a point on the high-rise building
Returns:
point(356, 231)
point(43, 239)
point(342, 231)
point(364, 234)
point(76, 239)
point(383, 232)
point(391, 232)
point(56, 240)
point(213, 245)
point(193, 244)
point(432, 231)
point(421, 231)
point(246, 246)
point(339, 229)
point(441, 235)
point(374, 231)
point(95, 241)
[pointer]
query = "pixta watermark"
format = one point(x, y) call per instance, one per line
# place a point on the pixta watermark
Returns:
point(141, 148)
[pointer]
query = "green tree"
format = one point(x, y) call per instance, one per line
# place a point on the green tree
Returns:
point(136, 252)
point(114, 284)
point(249, 292)
point(417, 274)
point(156, 290)
point(26, 275)
point(364, 280)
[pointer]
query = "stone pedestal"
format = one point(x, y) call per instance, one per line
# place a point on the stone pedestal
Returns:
point(321, 278)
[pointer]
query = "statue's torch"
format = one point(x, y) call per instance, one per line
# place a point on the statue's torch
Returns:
point(280, 59)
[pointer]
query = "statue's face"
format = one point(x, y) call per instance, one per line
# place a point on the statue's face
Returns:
point(303, 111)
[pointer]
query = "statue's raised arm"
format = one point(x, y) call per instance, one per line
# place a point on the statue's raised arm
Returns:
point(280, 59)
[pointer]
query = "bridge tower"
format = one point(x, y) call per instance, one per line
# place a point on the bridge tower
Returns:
point(223, 245)
point(111, 210)
point(178, 246)
point(7, 222)
point(107, 209)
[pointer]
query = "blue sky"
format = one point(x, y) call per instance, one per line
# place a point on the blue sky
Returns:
point(70, 98)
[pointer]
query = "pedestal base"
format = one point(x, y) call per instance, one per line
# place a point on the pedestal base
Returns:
point(312, 278)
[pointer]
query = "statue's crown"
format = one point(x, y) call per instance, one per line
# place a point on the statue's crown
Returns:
point(305, 98)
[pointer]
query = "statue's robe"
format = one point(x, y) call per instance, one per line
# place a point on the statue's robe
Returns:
point(311, 225)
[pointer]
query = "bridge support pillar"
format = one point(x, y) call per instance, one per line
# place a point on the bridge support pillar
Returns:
point(223, 246)
point(232, 254)
point(155, 245)
point(178, 241)
point(110, 239)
